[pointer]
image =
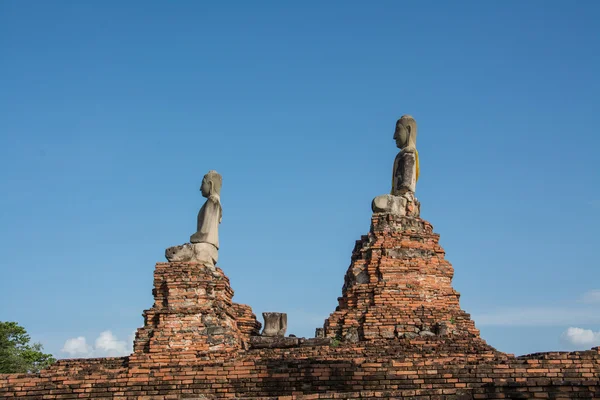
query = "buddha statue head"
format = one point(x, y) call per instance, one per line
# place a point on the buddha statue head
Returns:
point(211, 184)
point(405, 134)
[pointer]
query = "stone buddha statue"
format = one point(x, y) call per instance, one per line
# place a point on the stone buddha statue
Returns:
point(211, 213)
point(204, 246)
point(405, 173)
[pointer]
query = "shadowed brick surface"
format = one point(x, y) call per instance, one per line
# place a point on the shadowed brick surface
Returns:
point(417, 370)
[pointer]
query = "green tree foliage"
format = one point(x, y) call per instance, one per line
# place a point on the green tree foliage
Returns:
point(17, 355)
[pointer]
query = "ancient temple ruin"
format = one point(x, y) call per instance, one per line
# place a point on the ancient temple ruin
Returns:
point(398, 330)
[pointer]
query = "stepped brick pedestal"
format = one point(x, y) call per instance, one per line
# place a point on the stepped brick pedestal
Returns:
point(193, 314)
point(399, 285)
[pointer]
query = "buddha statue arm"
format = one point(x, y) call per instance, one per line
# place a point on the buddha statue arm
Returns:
point(394, 179)
point(404, 179)
point(409, 171)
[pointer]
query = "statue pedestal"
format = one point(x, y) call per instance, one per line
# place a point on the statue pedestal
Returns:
point(403, 205)
point(193, 315)
point(204, 253)
point(399, 285)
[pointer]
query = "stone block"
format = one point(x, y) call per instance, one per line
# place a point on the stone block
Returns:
point(273, 342)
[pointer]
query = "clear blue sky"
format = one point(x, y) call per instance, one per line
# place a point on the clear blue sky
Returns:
point(111, 113)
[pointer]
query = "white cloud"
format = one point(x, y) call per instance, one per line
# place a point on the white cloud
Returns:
point(76, 347)
point(582, 310)
point(581, 337)
point(538, 316)
point(591, 297)
point(106, 345)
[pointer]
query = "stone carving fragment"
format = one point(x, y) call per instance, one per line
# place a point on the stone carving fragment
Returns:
point(352, 335)
point(275, 324)
point(441, 329)
point(204, 246)
point(405, 173)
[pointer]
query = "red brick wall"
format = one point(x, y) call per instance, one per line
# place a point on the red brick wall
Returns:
point(397, 369)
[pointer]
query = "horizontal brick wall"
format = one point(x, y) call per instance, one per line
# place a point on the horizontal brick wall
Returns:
point(417, 369)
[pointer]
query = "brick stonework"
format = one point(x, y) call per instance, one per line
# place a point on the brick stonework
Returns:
point(193, 315)
point(399, 283)
point(417, 369)
point(246, 322)
point(399, 328)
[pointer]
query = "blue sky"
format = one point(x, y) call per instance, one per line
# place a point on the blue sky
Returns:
point(111, 113)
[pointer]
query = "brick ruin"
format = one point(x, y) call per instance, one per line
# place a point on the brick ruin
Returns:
point(397, 332)
point(399, 285)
